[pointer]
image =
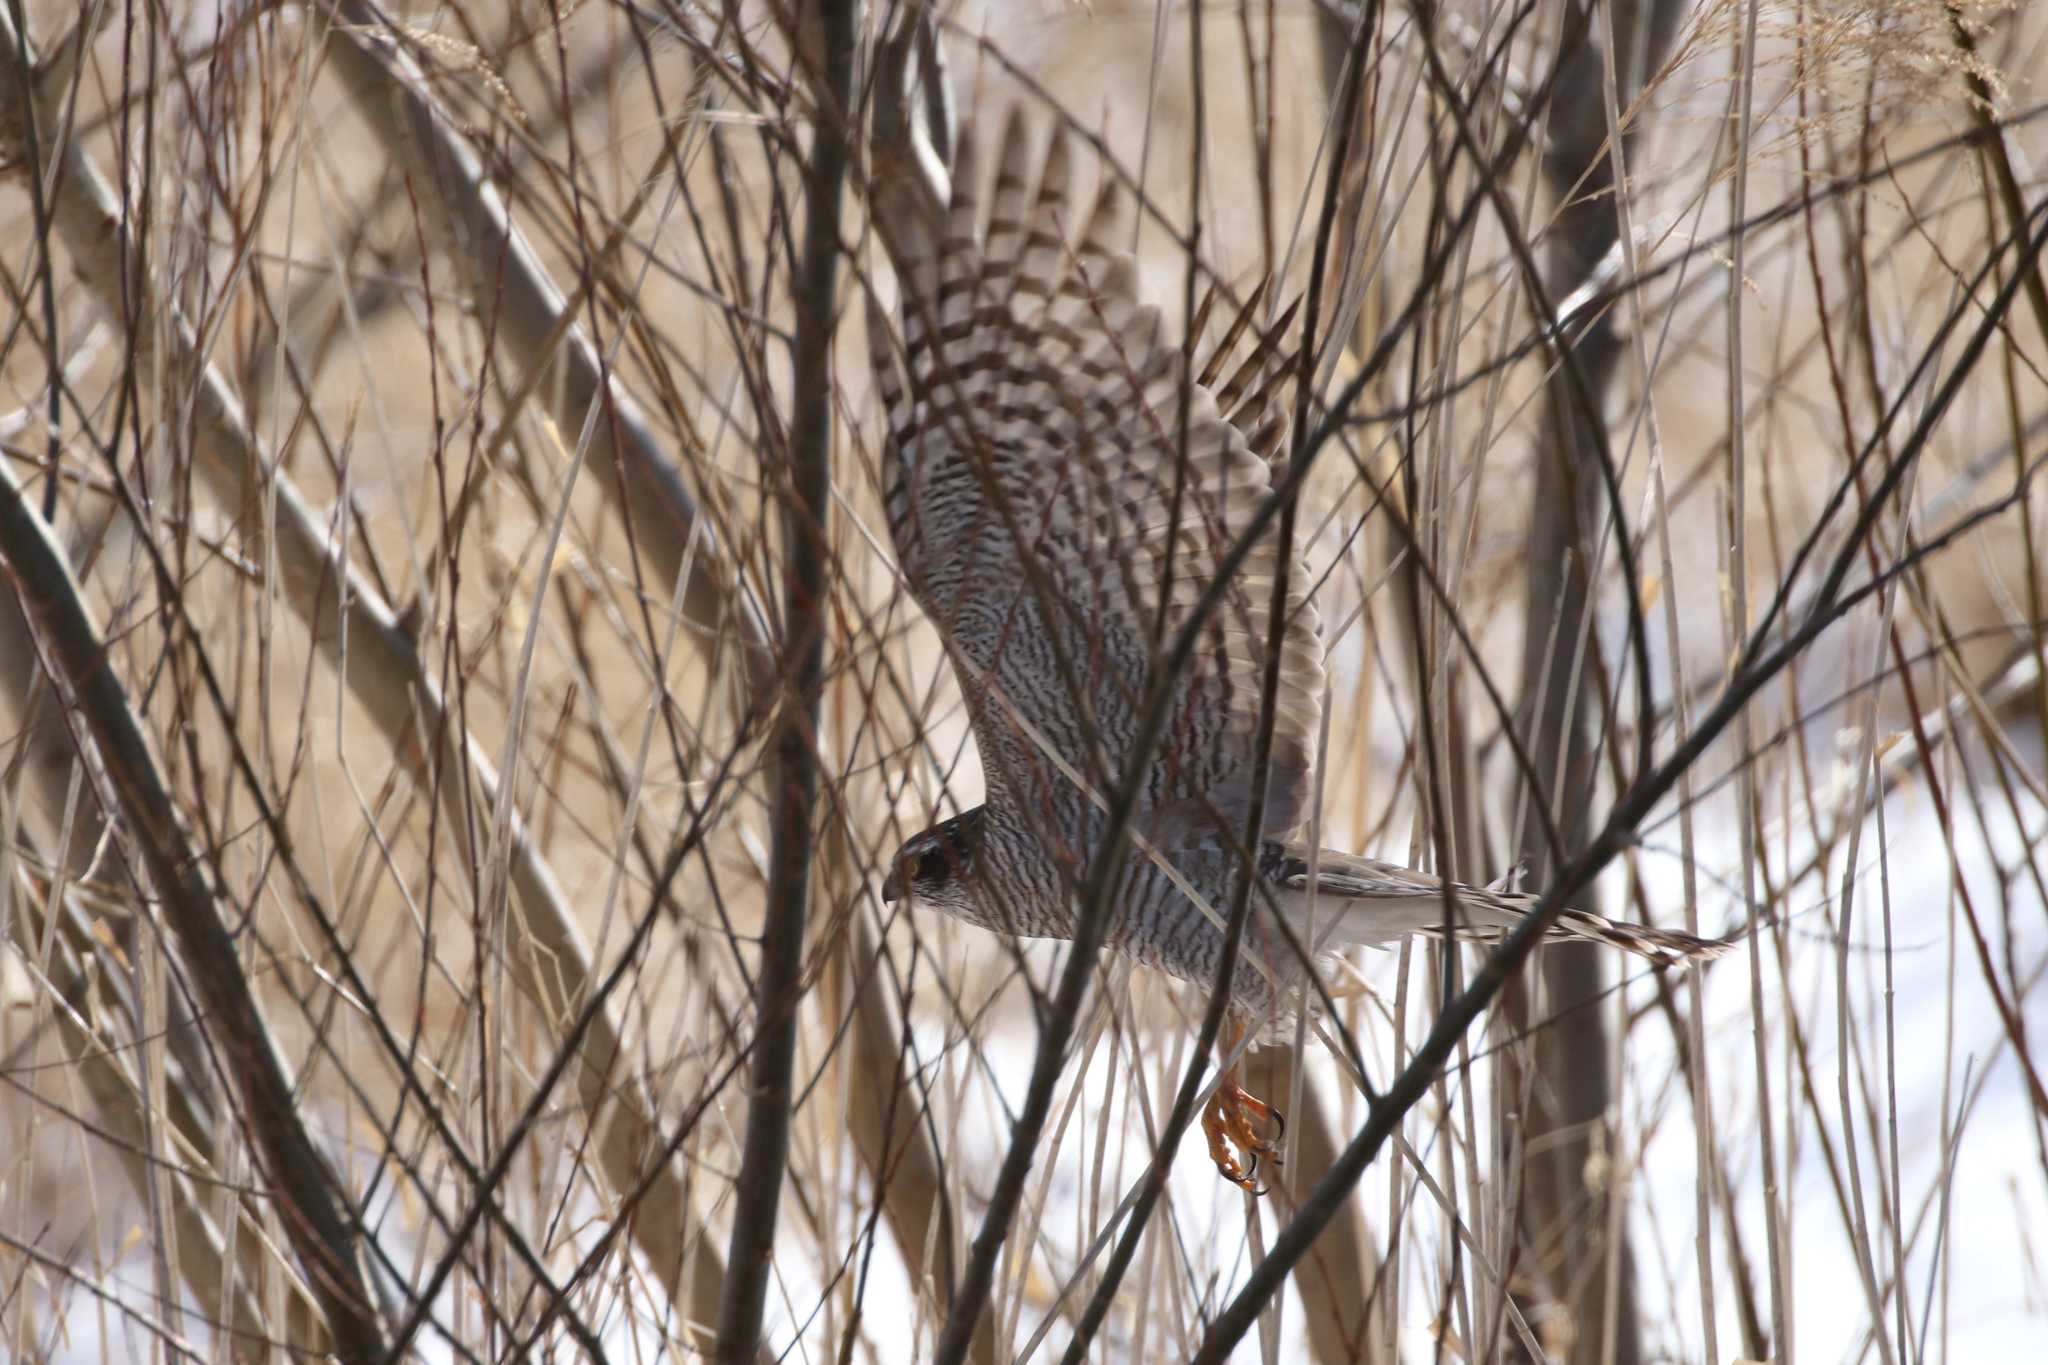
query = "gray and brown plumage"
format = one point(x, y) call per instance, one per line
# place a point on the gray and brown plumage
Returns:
point(1060, 482)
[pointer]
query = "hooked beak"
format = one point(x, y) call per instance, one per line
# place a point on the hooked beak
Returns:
point(892, 887)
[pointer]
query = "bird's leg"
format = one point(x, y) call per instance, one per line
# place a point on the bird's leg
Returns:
point(1234, 1119)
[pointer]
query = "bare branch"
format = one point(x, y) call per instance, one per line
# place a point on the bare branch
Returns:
point(806, 488)
point(313, 1207)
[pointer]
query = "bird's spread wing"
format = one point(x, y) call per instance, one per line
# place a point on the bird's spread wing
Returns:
point(1360, 900)
point(1061, 485)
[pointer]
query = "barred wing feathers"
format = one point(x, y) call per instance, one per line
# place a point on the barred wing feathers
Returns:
point(1046, 509)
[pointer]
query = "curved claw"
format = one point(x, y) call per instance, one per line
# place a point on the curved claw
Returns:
point(1229, 1124)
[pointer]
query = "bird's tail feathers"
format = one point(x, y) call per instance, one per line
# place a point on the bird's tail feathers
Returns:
point(1488, 917)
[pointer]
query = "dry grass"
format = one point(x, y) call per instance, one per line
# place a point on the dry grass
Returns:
point(478, 757)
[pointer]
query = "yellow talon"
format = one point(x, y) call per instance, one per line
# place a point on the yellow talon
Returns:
point(1229, 1122)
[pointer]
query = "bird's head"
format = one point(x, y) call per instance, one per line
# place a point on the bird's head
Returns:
point(937, 868)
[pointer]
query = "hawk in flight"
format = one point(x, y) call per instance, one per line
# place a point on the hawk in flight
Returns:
point(1062, 482)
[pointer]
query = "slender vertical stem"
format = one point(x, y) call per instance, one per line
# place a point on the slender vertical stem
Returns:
point(1583, 163)
point(1738, 626)
point(807, 493)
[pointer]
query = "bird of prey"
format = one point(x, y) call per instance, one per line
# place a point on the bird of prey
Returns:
point(1062, 482)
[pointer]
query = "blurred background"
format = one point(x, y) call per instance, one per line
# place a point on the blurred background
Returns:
point(419, 400)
